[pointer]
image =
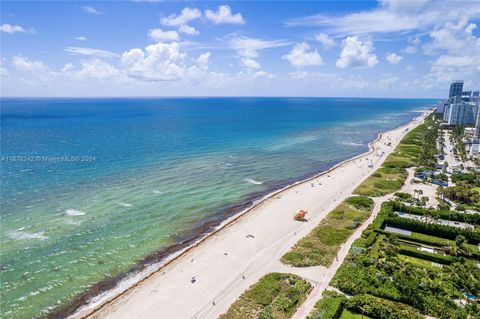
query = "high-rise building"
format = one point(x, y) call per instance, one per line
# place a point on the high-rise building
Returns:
point(456, 89)
point(461, 113)
point(476, 135)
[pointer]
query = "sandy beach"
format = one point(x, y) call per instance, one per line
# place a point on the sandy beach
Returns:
point(249, 246)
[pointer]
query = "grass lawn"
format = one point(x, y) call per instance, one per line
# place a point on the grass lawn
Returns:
point(321, 245)
point(350, 315)
point(391, 176)
point(275, 295)
point(384, 181)
point(419, 262)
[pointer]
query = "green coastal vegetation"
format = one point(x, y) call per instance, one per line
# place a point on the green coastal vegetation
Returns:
point(417, 148)
point(402, 271)
point(401, 267)
point(321, 245)
point(466, 191)
point(415, 267)
point(275, 295)
point(337, 306)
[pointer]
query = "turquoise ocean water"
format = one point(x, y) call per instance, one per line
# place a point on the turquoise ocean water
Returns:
point(90, 187)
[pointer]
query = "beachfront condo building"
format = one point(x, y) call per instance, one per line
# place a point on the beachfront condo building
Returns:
point(456, 89)
point(461, 113)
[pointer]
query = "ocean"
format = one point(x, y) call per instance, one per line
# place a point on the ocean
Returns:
point(94, 188)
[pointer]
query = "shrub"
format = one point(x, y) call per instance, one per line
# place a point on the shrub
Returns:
point(329, 307)
point(375, 307)
point(275, 295)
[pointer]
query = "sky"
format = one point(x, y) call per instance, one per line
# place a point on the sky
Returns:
point(386, 48)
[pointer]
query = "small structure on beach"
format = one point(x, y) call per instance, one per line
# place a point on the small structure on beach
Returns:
point(300, 215)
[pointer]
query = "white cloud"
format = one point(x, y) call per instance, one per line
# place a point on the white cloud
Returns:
point(91, 52)
point(24, 64)
point(393, 58)
point(181, 20)
point(392, 16)
point(357, 52)
point(332, 81)
point(158, 62)
point(301, 55)
point(160, 35)
point(68, 67)
point(250, 63)
point(81, 38)
point(91, 10)
point(97, 69)
point(224, 16)
point(203, 60)
point(263, 74)
point(326, 41)
point(388, 83)
point(460, 52)
point(452, 37)
point(3, 70)
point(8, 28)
point(249, 47)
point(188, 30)
point(410, 49)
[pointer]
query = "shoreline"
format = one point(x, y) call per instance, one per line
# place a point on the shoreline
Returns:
point(107, 292)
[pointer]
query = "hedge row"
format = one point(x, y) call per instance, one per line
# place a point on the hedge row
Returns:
point(436, 258)
point(379, 308)
point(443, 214)
point(433, 229)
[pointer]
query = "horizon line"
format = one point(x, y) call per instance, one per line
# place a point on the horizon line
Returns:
point(208, 96)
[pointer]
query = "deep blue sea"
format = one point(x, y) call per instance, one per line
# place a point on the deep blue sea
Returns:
point(89, 187)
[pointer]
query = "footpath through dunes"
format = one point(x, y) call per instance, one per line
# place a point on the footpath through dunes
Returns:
point(229, 261)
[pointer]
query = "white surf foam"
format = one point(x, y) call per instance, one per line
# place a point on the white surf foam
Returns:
point(125, 204)
point(252, 181)
point(74, 212)
point(156, 192)
point(352, 144)
point(24, 235)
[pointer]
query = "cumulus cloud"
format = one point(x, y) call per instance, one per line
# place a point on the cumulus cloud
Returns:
point(91, 52)
point(203, 60)
point(24, 64)
point(68, 67)
point(158, 62)
point(91, 10)
point(263, 74)
point(97, 69)
point(250, 63)
point(459, 50)
point(301, 55)
point(188, 30)
point(8, 28)
point(224, 16)
point(357, 52)
point(181, 20)
point(326, 41)
point(393, 58)
point(160, 35)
